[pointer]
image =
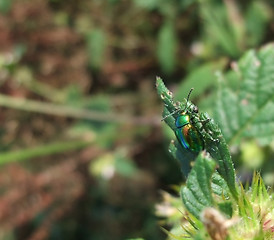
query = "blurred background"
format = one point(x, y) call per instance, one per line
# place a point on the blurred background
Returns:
point(83, 152)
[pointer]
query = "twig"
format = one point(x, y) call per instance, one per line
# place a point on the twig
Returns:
point(67, 111)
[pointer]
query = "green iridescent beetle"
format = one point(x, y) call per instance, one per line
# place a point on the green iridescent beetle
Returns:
point(188, 136)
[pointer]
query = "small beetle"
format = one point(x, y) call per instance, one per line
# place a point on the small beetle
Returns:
point(188, 136)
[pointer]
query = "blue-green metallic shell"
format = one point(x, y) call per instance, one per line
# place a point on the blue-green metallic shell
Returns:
point(188, 135)
point(182, 120)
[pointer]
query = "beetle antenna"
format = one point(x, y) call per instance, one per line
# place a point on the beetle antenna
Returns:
point(190, 91)
point(187, 99)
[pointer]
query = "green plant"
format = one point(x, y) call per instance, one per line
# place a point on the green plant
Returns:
point(215, 205)
point(230, 27)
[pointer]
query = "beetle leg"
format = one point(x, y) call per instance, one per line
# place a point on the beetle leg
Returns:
point(203, 122)
point(170, 114)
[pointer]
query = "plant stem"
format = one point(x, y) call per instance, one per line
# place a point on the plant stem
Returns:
point(44, 150)
point(67, 111)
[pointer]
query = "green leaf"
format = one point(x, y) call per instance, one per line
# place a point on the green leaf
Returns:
point(5, 5)
point(246, 210)
point(249, 112)
point(219, 151)
point(166, 47)
point(214, 141)
point(219, 186)
point(184, 156)
point(226, 207)
point(147, 4)
point(196, 194)
point(259, 191)
point(43, 150)
point(218, 29)
point(124, 166)
point(96, 44)
point(200, 78)
point(221, 190)
point(186, 3)
point(257, 18)
point(169, 104)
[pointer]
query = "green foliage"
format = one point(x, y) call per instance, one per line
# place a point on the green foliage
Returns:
point(227, 28)
point(167, 8)
point(96, 45)
point(246, 112)
point(183, 155)
point(167, 45)
point(249, 112)
point(43, 150)
point(217, 26)
point(5, 5)
point(196, 194)
point(230, 28)
point(103, 132)
point(148, 4)
point(56, 59)
point(218, 150)
point(206, 73)
point(257, 17)
point(105, 166)
point(124, 166)
point(214, 141)
point(135, 239)
point(250, 218)
point(167, 42)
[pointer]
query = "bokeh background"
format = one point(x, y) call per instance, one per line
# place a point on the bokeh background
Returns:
point(83, 151)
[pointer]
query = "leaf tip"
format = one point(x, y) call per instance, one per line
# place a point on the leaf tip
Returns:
point(158, 81)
